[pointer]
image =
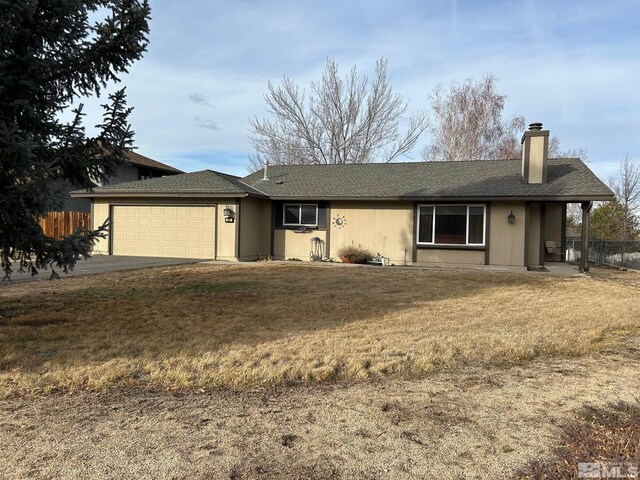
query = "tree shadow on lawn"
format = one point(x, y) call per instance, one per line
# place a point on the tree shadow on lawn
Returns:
point(191, 311)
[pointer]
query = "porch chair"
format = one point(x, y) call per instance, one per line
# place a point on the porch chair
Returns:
point(552, 249)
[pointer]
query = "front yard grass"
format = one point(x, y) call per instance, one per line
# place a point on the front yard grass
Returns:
point(240, 326)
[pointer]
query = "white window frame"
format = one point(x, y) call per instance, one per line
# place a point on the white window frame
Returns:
point(299, 205)
point(433, 227)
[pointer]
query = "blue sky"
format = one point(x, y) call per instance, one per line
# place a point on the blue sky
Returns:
point(573, 65)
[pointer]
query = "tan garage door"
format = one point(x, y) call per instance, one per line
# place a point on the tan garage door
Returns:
point(163, 231)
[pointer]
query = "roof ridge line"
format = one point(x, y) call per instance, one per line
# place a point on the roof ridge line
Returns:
point(239, 179)
point(252, 187)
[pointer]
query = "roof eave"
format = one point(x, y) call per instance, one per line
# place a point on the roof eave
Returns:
point(167, 169)
point(77, 194)
point(550, 198)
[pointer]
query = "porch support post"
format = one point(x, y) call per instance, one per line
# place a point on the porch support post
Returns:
point(327, 224)
point(414, 246)
point(584, 256)
point(563, 233)
point(543, 237)
point(527, 208)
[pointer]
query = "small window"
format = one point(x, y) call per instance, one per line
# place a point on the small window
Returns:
point(451, 224)
point(300, 215)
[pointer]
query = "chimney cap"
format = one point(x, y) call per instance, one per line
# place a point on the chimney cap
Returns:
point(536, 126)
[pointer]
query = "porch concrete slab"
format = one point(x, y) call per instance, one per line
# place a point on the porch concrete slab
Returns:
point(563, 269)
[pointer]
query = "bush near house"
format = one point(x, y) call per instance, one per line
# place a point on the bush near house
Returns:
point(354, 254)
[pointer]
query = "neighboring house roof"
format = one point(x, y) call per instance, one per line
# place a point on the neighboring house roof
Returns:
point(142, 161)
point(567, 179)
point(204, 183)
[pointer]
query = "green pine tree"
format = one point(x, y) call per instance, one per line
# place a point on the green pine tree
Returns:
point(607, 222)
point(54, 53)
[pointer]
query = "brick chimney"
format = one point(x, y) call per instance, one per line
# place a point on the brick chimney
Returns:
point(535, 152)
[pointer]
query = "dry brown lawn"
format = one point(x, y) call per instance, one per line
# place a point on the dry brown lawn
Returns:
point(272, 324)
point(473, 424)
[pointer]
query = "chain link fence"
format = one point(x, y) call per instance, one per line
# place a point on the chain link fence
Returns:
point(604, 252)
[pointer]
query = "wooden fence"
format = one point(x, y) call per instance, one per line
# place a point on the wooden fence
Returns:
point(62, 224)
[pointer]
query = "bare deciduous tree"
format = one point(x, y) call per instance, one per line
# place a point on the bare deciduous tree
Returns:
point(626, 187)
point(469, 124)
point(350, 120)
point(556, 151)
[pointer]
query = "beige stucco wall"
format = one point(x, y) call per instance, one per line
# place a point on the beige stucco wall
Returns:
point(506, 240)
point(533, 235)
point(553, 227)
point(225, 232)
point(255, 229)
point(381, 227)
point(99, 215)
point(291, 244)
point(435, 255)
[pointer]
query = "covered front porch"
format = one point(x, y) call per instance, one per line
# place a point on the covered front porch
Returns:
point(546, 234)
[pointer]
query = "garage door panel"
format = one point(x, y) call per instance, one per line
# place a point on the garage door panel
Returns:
point(164, 231)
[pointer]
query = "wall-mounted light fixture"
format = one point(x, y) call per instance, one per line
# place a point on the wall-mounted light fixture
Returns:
point(511, 218)
point(229, 214)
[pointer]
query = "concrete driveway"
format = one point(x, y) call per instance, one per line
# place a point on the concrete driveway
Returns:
point(102, 264)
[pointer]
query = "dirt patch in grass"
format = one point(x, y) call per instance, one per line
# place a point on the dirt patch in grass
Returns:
point(607, 436)
point(211, 326)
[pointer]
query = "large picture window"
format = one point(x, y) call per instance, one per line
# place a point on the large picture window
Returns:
point(300, 215)
point(451, 224)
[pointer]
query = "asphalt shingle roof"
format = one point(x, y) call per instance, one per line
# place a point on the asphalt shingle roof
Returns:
point(204, 182)
point(142, 161)
point(566, 177)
